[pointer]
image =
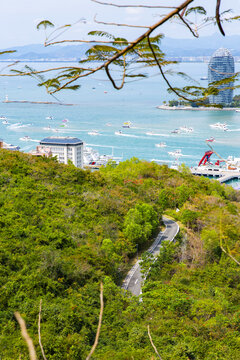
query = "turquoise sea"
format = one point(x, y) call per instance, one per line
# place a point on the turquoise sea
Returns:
point(99, 105)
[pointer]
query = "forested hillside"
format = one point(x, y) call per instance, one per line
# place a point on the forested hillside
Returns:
point(63, 230)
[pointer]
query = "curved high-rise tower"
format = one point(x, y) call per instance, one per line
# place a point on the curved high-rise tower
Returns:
point(221, 66)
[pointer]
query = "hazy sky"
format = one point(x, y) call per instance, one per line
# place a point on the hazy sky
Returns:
point(18, 18)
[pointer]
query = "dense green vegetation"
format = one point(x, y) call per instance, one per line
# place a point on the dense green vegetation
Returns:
point(64, 229)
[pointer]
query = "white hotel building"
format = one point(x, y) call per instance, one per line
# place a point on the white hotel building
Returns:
point(65, 148)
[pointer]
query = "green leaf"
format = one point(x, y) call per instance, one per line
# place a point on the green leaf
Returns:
point(101, 34)
point(196, 10)
point(44, 24)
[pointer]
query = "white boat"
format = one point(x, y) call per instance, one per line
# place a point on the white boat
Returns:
point(93, 132)
point(186, 129)
point(118, 132)
point(177, 153)
point(161, 145)
point(25, 138)
point(108, 124)
point(5, 122)
point(47, 128)
point(92, 158)
point(237, 110)
point(126, 124)
point(176, 131)
point(49, 118)
point(221, 126)
point(2, 117)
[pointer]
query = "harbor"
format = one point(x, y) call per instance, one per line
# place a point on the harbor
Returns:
point(221, 175)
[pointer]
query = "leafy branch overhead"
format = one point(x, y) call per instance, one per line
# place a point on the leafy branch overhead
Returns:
point(123, 60)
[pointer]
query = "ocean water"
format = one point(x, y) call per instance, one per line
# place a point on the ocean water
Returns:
point(100, 107)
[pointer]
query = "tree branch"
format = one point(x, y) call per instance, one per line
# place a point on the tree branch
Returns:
point(151, 341)
point(162, 73)
point(188, 26)
point(133, 6)
point(131, 45)
point(218, 17)
point(39, 330)
point(28, 340)
point(99, 323)
point(85, 41)
point(116, 24)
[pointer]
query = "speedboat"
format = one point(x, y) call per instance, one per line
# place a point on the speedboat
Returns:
point(119, 132)
point(161, 145)
point(221, 126)
point(176, 131)
point(47, 128)
point(176, 153)
point(127, 124)
point(211, 139)
point(2, 117)
point(5, 122)
point(186, 129)
point(237, 110)
point(49, 118)
point(25, 138)
point(93, 132)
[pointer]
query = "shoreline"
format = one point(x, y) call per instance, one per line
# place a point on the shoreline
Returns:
point(189, 108)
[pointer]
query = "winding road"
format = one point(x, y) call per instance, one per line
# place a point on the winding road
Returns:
point(134, 279)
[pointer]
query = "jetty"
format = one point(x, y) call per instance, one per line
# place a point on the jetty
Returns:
point(221, 175)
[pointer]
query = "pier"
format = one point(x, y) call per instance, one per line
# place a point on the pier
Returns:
point(220, 174)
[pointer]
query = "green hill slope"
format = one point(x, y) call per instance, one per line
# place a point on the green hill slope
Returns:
point(63, 230)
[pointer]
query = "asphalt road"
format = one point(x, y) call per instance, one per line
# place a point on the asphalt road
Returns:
point(134, 279)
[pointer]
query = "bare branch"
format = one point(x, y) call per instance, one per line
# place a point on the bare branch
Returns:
point(183, 11)
point(99, 323)
point(111, 79)
point(218, 17)
point(151, 341)
point(138, 6)
point(39, 330)
point(162, 73)
point(85, 41)
point(28, 340)
point(116, 24)
point(188, 26)
point(130, 46)
point(47, 70)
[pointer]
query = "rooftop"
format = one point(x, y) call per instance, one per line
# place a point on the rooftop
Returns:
point(222, 52)
point(61, 140)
